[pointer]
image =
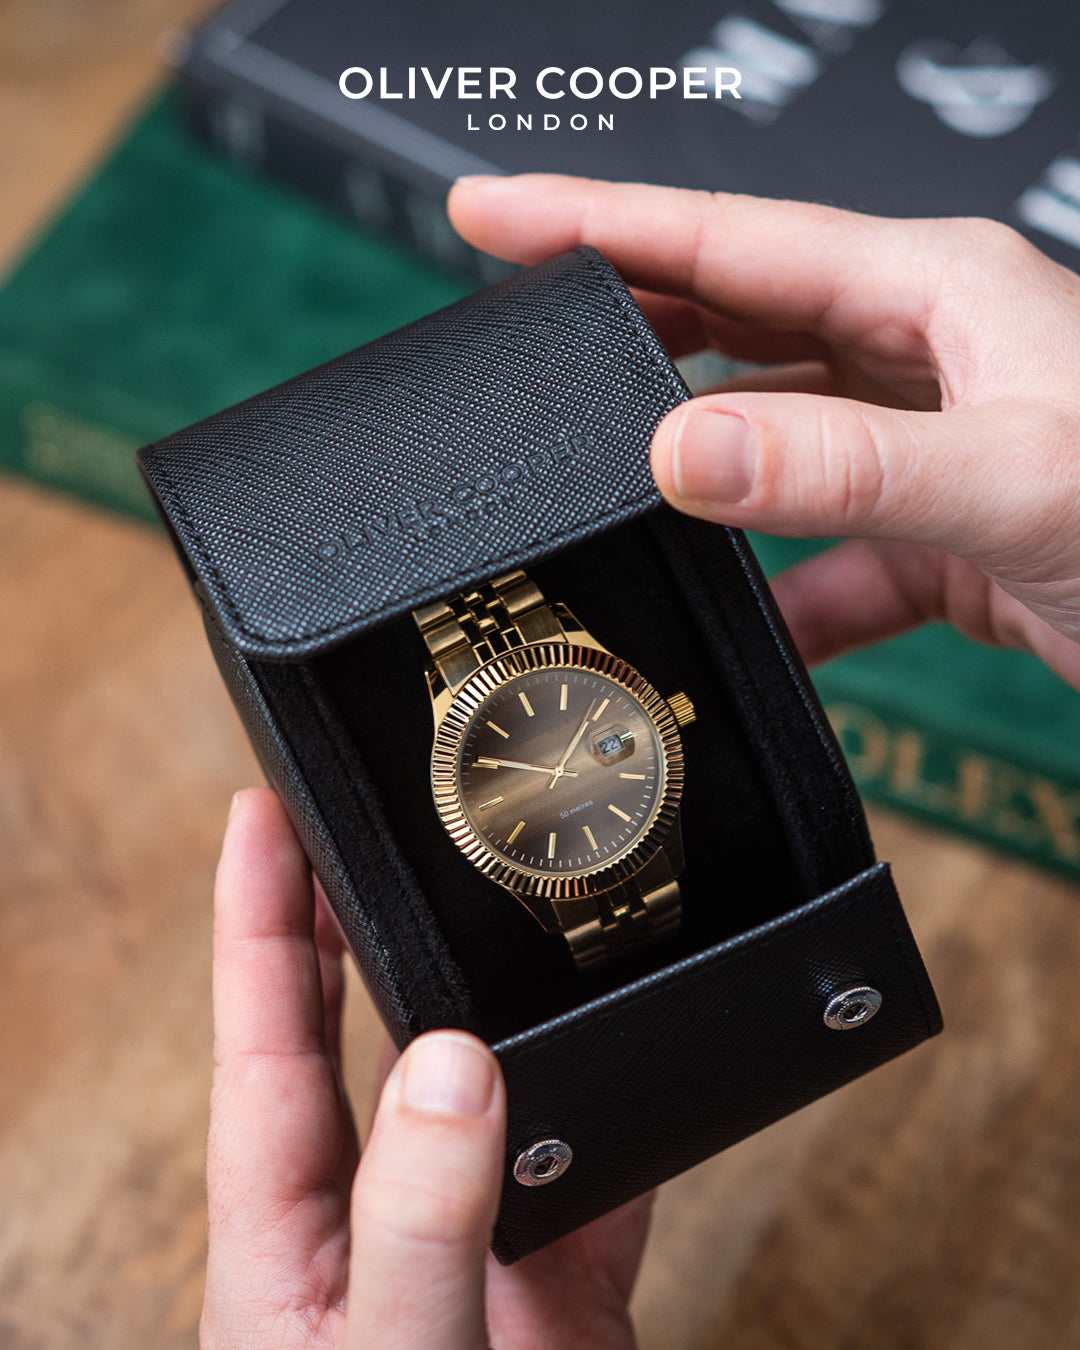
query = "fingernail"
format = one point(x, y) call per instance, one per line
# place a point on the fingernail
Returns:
point(476, 178)
point(234, 804)
point(448, 1074)
point(712, 458)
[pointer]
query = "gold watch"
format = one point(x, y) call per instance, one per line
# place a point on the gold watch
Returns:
point(557, 769)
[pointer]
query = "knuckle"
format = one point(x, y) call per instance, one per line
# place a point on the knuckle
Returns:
point(1047, 455)
point(852, 466)
point(420, 1212)
point(983, 236)
point(1053, 431)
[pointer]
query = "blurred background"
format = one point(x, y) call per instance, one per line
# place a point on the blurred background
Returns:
point(162, 256)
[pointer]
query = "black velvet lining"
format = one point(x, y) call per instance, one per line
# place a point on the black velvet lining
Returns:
point(741, 867)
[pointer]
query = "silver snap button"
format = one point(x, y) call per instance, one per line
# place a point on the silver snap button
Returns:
point(542, 1162)
point(853, 1008)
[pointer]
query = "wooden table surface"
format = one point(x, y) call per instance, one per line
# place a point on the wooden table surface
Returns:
point(935, 1203)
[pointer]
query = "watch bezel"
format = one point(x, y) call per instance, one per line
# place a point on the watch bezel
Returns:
point(444, 768)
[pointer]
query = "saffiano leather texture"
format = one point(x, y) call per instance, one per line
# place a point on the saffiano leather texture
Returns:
point(512, 429)
point(473, 440)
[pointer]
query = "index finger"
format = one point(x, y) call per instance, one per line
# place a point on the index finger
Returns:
point(279, 1129)
point(792, 265)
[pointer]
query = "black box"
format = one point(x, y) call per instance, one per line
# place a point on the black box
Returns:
point(512, 429)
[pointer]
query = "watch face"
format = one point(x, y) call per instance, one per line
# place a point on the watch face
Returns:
point(560, 769)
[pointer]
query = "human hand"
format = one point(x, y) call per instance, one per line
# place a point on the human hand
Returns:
point(924, 397)
point(305, 1249)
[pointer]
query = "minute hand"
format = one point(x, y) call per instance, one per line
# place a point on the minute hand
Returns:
point(486, 760)
point(560, 770)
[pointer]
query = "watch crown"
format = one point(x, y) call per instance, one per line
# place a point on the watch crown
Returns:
point(683, 709)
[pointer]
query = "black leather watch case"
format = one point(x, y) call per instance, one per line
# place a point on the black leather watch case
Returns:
point(512, 429)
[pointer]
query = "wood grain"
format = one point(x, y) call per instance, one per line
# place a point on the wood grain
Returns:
point(933, 1204)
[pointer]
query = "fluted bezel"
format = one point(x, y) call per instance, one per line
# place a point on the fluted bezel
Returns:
point(446, 788)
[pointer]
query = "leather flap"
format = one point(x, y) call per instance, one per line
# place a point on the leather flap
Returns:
point(660, 1074)
point(479, 438)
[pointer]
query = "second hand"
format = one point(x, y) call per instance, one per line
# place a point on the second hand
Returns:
point(560, 771)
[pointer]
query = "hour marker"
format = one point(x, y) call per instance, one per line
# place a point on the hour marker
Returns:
point(526, 704)
point(633, 775)
point(504, 734)
point(551, 844)
point(484, 805)
point(589, 836)
point(483, 763)
point(599, 712)
point(515, 832)
point(621, 814)
point(562, 697)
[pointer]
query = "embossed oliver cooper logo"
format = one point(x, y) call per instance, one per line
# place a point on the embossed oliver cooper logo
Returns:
point(472, 499)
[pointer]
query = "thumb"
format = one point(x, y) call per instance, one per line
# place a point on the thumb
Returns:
point(425, 1199)
point(983, 483)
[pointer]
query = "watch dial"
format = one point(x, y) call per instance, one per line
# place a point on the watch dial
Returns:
point(560, 771)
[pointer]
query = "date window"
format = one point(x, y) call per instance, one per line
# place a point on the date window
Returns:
point(613, 744)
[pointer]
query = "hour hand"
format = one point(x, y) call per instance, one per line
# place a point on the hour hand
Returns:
point(486, 762)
